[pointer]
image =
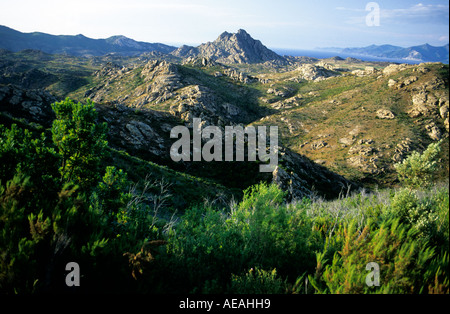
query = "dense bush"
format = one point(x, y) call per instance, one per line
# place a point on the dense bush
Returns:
point(80, 141)
point(259, 232)
point(419, 170)
point(52, 213)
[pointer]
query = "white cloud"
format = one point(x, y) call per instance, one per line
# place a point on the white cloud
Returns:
point(418, 14)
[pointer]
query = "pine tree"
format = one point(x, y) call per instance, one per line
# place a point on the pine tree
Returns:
point(80, 140)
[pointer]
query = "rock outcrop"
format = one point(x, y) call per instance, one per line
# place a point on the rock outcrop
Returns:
point(156, 83)
point(34, 105)
point(302, 177)
point(385, 114)
point(316, 73)
point(364, 157)
point(196, 101)
point(429, 109)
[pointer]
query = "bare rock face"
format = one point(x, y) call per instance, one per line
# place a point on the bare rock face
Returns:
point(282, 92)
point(364, 156)
point(139, 133)
point(144, 133)
point(431, 108)
point(402, 150)
point(186, 52)
point(196, 101)
point(32, 104)
point(410, 80)
point(159, 80)
point(302, 177)
point(346, 141)
point(420, 105)
point(199, 62)
point(239, 76)
point(444, 111)
point(403, 83)
point(288, 103)
point(433, 131)
point(392, 83)
point(109, 69)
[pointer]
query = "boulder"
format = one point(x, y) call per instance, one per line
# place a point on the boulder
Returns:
point(346, 141)
point(433, 131)
point(311, 72)
point(385, 114)
point(363, 164)
point(394, 68)
point(391, 83)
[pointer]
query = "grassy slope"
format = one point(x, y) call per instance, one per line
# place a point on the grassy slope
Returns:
point(185, 189)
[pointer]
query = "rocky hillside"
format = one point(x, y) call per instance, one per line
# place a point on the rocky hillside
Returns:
point(342, 123)
point(362, 122)
point(231, 48)
point(143, 102)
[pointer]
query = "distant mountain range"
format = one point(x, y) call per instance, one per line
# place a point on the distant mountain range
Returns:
point(425, 53)
point(78, 45)
point(237, 47)
point(227, 48)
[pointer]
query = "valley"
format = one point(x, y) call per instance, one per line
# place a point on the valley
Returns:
point(354, 118)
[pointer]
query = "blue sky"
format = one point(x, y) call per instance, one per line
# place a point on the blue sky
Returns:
point(290, 24)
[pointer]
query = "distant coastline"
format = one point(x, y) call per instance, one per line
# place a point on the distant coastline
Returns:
point(330, 54)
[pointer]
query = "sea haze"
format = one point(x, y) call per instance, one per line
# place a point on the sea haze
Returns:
point(329, 54)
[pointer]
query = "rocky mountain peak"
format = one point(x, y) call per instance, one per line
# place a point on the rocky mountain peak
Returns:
point(232, 48)
point(243, 34)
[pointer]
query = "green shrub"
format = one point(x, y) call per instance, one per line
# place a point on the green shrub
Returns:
point(80, 140)
point(420, 214)
point(403, 259)
point(419, 170)
point(259, 232)
point(51, 215)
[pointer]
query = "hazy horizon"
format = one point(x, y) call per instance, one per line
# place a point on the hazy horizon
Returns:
point(285, 24)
